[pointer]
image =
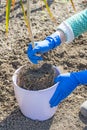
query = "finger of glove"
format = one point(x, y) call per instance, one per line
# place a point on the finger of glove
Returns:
point(56, 94)
point(57, 79)
point(32, 51)
point(31, 54)
point(34, 57)
point(38, 51)
point(35, 61)
point(57, 101)
point(29, 48)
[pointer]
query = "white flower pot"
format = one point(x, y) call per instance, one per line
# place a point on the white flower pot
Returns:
point(35, 104)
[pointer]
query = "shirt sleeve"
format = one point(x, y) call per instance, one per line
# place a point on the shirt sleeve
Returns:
point(74, 26)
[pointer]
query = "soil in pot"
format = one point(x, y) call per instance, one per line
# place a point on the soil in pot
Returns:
point(38, 78)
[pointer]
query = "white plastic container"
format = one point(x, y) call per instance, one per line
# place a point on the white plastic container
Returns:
point(35, 104)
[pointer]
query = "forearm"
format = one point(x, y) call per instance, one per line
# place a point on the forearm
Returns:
point(68, 30)
point(73, 27)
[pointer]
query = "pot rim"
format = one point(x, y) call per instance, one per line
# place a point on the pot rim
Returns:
point(14, 79)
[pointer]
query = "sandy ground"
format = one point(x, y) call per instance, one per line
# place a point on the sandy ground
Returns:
point(71, 57)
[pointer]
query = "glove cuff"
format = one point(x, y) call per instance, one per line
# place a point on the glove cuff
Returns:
point(54, 40)
point(81, 77)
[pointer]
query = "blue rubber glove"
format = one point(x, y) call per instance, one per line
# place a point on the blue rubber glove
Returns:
point(67, 83)
point(43, 46)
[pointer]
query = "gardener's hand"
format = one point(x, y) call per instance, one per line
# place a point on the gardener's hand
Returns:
point(67, 83)
point(42, 46)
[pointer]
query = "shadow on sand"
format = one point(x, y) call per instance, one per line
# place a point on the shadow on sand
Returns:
point(16, 121)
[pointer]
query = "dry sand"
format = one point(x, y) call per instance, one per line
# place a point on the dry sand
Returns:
point(71, 57)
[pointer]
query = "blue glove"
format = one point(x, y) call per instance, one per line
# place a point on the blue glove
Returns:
point(42, 46)
point(67, 83)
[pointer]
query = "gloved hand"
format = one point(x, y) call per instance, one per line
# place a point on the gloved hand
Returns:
point(42, 46)
point(67, 83)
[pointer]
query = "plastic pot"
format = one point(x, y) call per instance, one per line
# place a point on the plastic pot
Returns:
point(35, 104)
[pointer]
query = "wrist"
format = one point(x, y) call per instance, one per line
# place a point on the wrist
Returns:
point(62, 36)
point(67, 30)
point(54, 40)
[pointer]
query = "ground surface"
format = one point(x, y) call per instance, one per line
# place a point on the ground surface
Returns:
point(71, 57)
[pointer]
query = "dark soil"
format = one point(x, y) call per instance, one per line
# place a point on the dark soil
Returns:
point(36, 77)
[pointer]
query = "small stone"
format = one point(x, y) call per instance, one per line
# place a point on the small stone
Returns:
point(83, 109)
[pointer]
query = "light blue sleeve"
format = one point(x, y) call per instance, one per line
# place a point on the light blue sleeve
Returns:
point(78, 23)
